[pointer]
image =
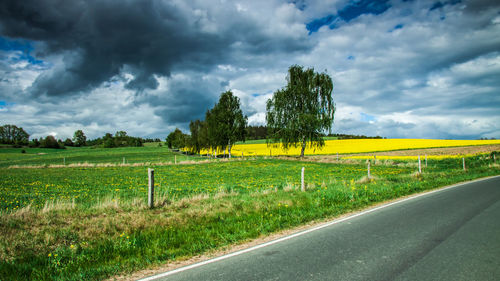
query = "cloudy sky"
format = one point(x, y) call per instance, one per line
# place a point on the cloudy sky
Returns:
point(401, 69)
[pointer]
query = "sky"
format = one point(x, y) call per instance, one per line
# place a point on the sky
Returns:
point(401, 69)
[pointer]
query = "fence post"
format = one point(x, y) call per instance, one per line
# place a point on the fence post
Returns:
point(419, 165)
point(463, 160)
point(369, 176)
point(151, 188)
point(426, 160)
point(302, 186)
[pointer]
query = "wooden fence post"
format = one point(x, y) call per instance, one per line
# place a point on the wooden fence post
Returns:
point(151, 188)
point(302, 186)
point(426, 160)
point(419, 165)
point(369, 176)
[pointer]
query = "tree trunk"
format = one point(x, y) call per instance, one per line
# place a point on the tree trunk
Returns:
point(229, 150)
point(303, 148)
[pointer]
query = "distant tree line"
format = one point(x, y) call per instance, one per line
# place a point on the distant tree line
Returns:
point(256, 132)
point(345, 136)
point(120, 139)
point(17, 137)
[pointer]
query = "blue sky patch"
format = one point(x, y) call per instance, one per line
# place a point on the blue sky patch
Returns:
point(316, 24)
point(439, 4)
point(367, 117)
point(25, 46)
point(4, 104)
point(351, 11)
point(399, 26)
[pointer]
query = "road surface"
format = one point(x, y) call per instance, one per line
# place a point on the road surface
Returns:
point(451, 234)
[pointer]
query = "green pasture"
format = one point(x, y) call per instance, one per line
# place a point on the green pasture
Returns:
point(54, 225)
point(75, 155)
point(87, 185)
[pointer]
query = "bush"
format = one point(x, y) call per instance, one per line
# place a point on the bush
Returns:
point(50, 142)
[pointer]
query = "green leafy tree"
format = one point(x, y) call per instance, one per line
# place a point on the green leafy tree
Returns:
point(11, 134)
point(211, 130)
point(177, 139)
point(50, 142)
point(198, 139)
point(301, 111)
point(227, 122)
point(68, 142)
point(79, 138)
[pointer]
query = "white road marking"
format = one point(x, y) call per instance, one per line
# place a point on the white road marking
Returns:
point(336, 221)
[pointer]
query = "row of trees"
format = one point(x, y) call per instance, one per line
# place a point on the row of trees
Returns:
point(120, 139)
point(11, 134)
point(223, 126)
point(298, 114)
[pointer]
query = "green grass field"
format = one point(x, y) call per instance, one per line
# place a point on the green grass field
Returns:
point(91, 223)
point(73, 155)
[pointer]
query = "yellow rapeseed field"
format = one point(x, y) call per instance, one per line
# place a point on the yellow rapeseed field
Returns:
point(351, 146)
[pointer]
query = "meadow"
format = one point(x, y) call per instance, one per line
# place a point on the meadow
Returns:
point(86, 186)
point(77, 155)
point(92, 222)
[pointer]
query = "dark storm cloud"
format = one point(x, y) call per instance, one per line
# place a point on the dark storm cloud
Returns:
point(185, 97)
point(99, 38)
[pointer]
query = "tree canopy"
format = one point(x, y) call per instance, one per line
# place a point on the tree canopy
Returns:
point(11, 134)
point(79, 138)
point(301, 111)
point(226, 122)
point(177, 139)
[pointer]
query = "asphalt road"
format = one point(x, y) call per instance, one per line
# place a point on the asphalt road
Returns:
point(453, 234)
